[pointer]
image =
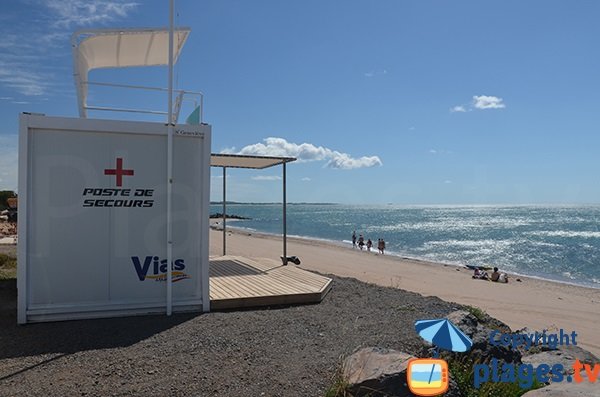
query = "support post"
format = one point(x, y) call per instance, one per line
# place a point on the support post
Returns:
point(224, 210)
point(170, 170)
point(284, 217)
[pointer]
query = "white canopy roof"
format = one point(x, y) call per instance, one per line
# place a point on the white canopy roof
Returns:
point(93, 49)
point(245, 161)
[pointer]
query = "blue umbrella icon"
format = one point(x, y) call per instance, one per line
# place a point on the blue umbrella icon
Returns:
point(443, 334)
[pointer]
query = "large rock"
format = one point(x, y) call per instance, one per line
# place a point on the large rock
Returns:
point(377, 372)
point(567, 389)
point(479, 332)
point(565, 355)
point(463, 318)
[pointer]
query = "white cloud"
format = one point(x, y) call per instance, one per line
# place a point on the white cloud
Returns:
point(458, 108)
point(28, 59)
point(440, 152)
point(23, 80)
point(374, 73)
point(345, 162)
point(86, 12)
point(266, 178)
point(488, 102)
point(308, 152)
point(306, 179)
point(480, 102)
point(447, 181)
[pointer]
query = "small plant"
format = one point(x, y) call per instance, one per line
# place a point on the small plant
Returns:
point(339, 386)
point(485, 319)
point(479, 314)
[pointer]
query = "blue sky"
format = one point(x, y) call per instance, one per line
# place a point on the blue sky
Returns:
point(406, 102)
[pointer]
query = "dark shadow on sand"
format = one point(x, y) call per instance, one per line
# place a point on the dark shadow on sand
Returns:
point(67, 337)
point(227, 268)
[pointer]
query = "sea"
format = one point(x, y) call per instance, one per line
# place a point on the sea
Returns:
point(559, 243)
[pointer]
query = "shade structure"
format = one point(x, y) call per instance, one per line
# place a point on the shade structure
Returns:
point(246, 161)
point(443, 334)
point(116, 48)
point(251, 162)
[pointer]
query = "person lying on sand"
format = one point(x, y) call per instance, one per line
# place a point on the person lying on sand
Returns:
point(480, 274)
point(499, 277)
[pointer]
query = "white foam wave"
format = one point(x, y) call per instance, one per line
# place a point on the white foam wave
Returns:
point(565, 233)
point(543, 244)
point(473, 244)
point(569, 275)
point(451, 224)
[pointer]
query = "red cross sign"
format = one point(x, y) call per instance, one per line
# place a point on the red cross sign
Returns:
point(118, 172)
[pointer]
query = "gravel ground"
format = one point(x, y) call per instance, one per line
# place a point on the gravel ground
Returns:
point(286, 351)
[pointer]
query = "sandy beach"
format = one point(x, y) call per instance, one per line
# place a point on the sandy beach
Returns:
point(532, 303)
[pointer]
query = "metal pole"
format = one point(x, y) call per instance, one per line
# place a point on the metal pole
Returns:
point(284, 218)
point(224, 211)
point(77, 76)
point(170, 170)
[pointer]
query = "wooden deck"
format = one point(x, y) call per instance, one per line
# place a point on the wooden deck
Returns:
point(237, 282)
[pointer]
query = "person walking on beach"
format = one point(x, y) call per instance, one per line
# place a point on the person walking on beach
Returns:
point(381, 245)
point(369, 245)
point(354, 239)
point(361, 242)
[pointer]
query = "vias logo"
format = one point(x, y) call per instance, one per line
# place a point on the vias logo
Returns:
point(153, 268)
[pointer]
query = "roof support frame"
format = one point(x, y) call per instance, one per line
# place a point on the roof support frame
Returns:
point(225, 161)
point(112, 48)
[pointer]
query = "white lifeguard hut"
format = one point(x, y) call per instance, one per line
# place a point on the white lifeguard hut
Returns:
point(97, 226)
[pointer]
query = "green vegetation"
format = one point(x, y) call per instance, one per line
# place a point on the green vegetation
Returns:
point(5, 194)
point(485, 319)
point(462, 373)
point(8, 267)
point(339, 387)
point(479, 314)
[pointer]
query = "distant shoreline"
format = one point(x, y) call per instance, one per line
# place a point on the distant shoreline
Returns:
point(400, 205)
point(270, 203)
